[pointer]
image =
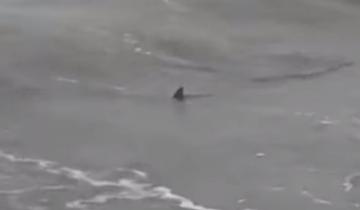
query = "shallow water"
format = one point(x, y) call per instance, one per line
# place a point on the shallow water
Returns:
point(88, 122)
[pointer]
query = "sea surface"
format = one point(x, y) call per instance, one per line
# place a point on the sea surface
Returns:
point(271, 120)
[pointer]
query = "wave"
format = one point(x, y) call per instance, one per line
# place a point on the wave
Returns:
point(130, 184)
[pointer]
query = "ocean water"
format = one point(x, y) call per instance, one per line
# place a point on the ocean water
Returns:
point(87, 119)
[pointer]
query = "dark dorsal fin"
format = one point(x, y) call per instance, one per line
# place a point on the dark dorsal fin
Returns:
point(179, 94)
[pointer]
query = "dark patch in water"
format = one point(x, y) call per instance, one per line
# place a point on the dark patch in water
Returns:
point(303, 75)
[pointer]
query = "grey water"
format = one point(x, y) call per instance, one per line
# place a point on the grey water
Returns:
point(87, 119)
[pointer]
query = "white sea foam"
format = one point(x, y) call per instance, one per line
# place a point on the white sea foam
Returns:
point(138, 191)
point(138, 173)
point(165, 193)
point(67, 80)
point(136, 187)
point(322, 201)
point(42, 164)
point(328, 121)
point(315, 199)
point(260, 155)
